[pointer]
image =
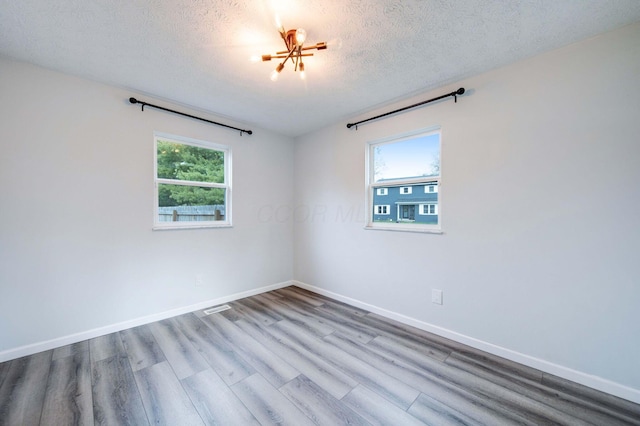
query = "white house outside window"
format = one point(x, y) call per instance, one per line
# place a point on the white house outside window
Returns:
point(192, 183)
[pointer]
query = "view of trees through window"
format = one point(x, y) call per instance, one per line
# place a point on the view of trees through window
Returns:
point(192, 183)
point(189, 163)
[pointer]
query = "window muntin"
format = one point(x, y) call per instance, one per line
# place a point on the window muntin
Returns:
point(192, 183)
point(408, 168)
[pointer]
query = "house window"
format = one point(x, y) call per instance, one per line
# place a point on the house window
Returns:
point(399, 165)
point(429, 209)
point(192, 183)
point(382, 209)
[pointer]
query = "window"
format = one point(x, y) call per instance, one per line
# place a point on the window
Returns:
point(192, 183)
point(406, 169)
point(381, 209)
point(429, 209)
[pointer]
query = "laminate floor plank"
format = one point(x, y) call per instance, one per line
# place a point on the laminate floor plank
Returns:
point(514, 404)
point(290, 356)
point(246, 311)
point(141, 347)
point(405, 335)
point(498, 366)
point(535, 391)
point(478, 407)
point(301, 319)
point(215, 401)
point(165, 400)
point(290, 293)
point(349, 328)
point(267, 404)
point(68, 399)
point(376, 409)
point(271, 295)
point(23, 389)
point(116, 400)
point(433, 412)
point(4, 370)
point(214, 349)
point(69, 350)
point(319, 405)
point(106, 346)
point(260, 305)
point(177, 349)
point(271, 366)
point(391, 388)
point(332, 380)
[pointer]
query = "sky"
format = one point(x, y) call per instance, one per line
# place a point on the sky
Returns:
point(407, 158)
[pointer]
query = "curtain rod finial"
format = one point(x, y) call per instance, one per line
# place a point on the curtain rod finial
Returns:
point(133, 100)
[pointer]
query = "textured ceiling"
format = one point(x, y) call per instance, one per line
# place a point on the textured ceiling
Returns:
point(196, 52)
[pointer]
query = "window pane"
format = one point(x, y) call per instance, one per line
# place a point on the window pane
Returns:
point(417, 157)
point(185, 162)
point(417, 206)
point(179, 203)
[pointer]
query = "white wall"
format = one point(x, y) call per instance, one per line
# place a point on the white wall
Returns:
point(77, 252)
point(540, 203)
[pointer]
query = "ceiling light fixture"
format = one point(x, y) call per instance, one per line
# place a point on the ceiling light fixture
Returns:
point(293, 40)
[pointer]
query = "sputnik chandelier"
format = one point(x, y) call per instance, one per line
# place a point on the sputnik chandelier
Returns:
point(293, 40)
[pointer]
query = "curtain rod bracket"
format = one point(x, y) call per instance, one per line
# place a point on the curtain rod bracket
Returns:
point(455, 94)
point(142, 103)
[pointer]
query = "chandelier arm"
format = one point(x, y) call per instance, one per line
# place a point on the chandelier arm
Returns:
point(287, 57)
point(310, 47)
point(294, 55)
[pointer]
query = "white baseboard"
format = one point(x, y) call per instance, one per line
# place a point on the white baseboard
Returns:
point(582, 378)
point(101, 331)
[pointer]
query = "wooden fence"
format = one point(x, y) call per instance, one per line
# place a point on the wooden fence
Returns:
point(191, 213)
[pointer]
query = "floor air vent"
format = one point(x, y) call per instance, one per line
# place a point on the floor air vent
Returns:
point(216, 309)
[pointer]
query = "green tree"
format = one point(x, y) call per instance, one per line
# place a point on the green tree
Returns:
point(189, 163)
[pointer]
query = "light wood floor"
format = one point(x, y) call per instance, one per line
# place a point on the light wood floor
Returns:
point(289, 357)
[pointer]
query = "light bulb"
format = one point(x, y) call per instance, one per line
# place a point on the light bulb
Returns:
point(279, 24)
point(302, 73)
point(274, 75)
point(301, 36)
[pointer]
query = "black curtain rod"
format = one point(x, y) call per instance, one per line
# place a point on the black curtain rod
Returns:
point(455, 94)
point(135, 101)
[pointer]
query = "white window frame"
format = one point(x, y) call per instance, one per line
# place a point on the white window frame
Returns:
point(435, 189)
point(371, 186)
point(424, 212)
point(382, 191)
point(406, 190)
point(382, 209)
point(226, 185)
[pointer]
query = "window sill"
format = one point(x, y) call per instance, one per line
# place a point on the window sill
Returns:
point(207, 226)
point(405, 228)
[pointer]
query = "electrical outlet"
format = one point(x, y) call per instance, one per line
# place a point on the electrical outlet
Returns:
point(199, 280)
point(436, 296)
